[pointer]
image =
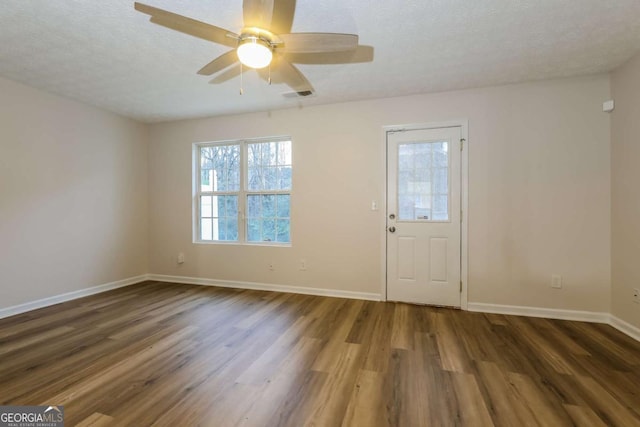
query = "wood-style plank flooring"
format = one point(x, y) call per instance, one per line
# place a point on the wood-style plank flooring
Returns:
point(181, 355)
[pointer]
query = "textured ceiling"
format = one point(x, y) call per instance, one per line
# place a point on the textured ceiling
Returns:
point(106, 54)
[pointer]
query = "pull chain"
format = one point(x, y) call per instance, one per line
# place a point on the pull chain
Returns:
point(269, 73)
point(241, 91)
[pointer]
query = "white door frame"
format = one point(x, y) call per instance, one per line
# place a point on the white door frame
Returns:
point(463, 124)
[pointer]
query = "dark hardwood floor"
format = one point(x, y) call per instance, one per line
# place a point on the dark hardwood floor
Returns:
point(181, 355)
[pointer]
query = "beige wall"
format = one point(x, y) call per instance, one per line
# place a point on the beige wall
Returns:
point(539, 193)
point(73, 196)
point(625, 194)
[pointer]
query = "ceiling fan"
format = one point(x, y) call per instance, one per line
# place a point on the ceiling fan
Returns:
point(265, 43)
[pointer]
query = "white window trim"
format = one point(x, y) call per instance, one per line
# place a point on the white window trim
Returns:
point(242, 193)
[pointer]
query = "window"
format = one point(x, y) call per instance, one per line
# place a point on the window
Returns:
point(243, 192)
point(423, 181)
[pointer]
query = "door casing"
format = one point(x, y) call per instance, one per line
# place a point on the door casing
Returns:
point(463, 124)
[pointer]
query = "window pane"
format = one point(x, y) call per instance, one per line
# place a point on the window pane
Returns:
point(440, 216)
point(282, 228)
point(253, 155)
point(414, 193)
point(284, 178)
point(422, 156)
point(440, 207)
point(234, 179)
point(254, 180)
point(215, 227)
point(269, 153)
point(205, 180)
point(423, 187)
point(253, 206)
point(219, 207)
point(254, 233)
point(440, 178)
point(231, 206)
point(270, 178)
point(222, 229)
point(268, 217)
point(283, 210)
point(268, 171)
point(440, 154)
point(284, 154)
point(269, 166)
point(232, 229)
point(405, 209)
point(405, 156)
point(205, 229)
point(268, 230)
point(219, 217)
point(220, 166)
point(268, 206)
point(205, 206)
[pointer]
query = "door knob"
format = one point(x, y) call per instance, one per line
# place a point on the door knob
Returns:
point(392, 216)
point(392, 229)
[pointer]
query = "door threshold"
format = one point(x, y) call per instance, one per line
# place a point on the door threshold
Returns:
point(425, 304)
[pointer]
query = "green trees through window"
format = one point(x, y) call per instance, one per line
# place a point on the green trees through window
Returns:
point(244, 191)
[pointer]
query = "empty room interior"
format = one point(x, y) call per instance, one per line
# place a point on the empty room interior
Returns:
point(336, 213)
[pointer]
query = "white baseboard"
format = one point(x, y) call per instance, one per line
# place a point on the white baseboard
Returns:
point(552, 313)
point(547, 313)
point(56, 299)
point(625, 327)
point(266, 287)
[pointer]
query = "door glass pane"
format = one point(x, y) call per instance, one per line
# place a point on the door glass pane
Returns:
point(440, 154)
point(423, 181)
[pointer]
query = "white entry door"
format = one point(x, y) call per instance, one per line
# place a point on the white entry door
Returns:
point(423, 216)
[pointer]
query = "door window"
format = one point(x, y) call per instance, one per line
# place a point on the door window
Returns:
point(423, 181)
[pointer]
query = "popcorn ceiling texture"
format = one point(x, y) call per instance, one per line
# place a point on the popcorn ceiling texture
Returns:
point(107, 54)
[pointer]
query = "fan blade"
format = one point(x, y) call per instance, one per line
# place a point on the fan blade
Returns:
point(257, 13)
point(227, 75)
point(283, 71)
point(188, 26)
point(282, 18)
point(317, 42)
point(220, 63)
point(359, 55)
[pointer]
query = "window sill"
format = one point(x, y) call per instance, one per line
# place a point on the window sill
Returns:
point(223, 243)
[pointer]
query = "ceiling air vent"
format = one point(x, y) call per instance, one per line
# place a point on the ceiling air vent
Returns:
point(300, 94)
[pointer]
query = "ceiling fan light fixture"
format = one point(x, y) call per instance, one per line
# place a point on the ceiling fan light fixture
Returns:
point(254, 52)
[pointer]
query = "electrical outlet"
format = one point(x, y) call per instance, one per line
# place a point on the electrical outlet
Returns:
point(303, 265)
point(636, 296)
point(180, 258)
point(556, 281)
